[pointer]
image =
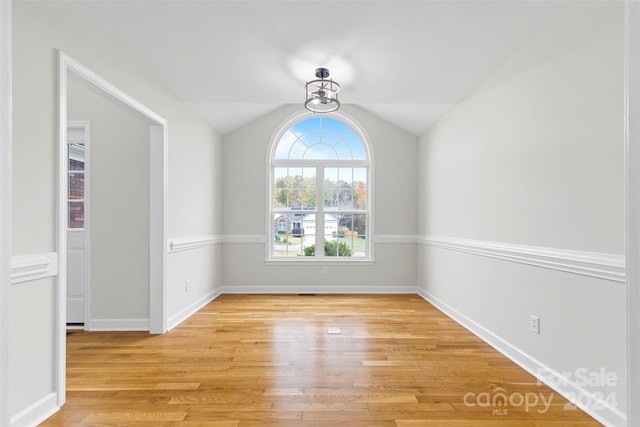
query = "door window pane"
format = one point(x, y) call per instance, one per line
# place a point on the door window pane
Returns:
point(75, 180)
point(76, 214)
point(76, 185)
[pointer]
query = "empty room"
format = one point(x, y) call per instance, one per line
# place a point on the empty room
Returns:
point(319, 213)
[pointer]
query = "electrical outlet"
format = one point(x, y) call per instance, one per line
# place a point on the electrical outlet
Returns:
point(186, 286)
point(534, 324)
point(325, 269)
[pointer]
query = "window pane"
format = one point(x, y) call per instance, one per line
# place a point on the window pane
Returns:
point(76, 214)
point(306, 125)
point(343, 150)
point(345, 235)
point(309, 235)
point(294, 188)
point(330, 138)
point(298, 150)
point(360, 188)
point(76, 185)
point(284, 145)
point(320, 138)
point(320, 151)
point(76, 156)
point(339, 221)
point(345, 188)
point(352, 234)
point(335, 126)
point(75, 182)
point(330, 226)
point(357, 148)
point(331, 187)
point(331, 247)
point(309, 187)
point(290, 238)
point(345, 196)
point(280, 187)
point(309, 228)
point(312, 137)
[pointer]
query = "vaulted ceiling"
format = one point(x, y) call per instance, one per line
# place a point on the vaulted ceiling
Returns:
point(233, 61)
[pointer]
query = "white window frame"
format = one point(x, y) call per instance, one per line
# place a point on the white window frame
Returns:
point(320, 166)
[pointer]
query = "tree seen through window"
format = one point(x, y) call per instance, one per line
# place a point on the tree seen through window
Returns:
point(320, 201)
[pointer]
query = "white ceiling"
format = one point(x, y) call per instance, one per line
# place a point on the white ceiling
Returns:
point(233, 61)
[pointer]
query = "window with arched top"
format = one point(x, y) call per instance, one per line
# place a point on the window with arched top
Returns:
point(320, 191)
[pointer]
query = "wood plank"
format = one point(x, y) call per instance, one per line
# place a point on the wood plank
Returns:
point(116, 417)
point(268, 360)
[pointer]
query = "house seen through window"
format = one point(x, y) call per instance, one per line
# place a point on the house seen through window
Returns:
point(320, 191)
point(75, 192)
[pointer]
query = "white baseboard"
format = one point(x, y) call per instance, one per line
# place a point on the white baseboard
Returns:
point(117, 325)
point(37, 412)
point(187, 312)
point(585, 400)
point(316, 289)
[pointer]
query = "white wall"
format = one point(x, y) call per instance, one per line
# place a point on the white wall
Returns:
point(5, 203)
point(245, 155)
point(31, 344)
point(193, 180)
point(119, 205)
point(534, 157)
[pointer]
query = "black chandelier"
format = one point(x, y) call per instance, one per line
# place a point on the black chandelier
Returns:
point(322, 93)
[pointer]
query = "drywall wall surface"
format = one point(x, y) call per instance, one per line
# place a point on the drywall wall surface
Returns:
point(535, 154)
point(118, 215)
point(533, 158)
point(30, 353)
point(194, 172)
point(245, 173)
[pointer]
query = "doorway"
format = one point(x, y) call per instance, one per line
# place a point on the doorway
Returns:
point(78, 145)
point(68, 69)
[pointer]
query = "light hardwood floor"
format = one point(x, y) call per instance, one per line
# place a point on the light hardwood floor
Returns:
point(269, 360)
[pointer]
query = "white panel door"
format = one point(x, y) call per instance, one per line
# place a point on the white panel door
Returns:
point(77, 233)
point(75, 276)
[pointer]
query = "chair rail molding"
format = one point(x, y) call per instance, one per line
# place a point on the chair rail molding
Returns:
point(25, 268)
point(379, 238)
point(244, 238)
point(177, 244)
point(595, 264)
point(410, 239)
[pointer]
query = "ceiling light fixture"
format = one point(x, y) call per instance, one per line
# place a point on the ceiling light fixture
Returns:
point(322, 93)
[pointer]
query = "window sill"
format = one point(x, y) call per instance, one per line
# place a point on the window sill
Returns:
point(320, 261)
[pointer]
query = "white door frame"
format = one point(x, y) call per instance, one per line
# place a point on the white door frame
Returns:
point(70, 68)
point(5, 203)
point(86, 268)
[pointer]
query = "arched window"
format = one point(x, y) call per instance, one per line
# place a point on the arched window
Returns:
point(320, 191)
